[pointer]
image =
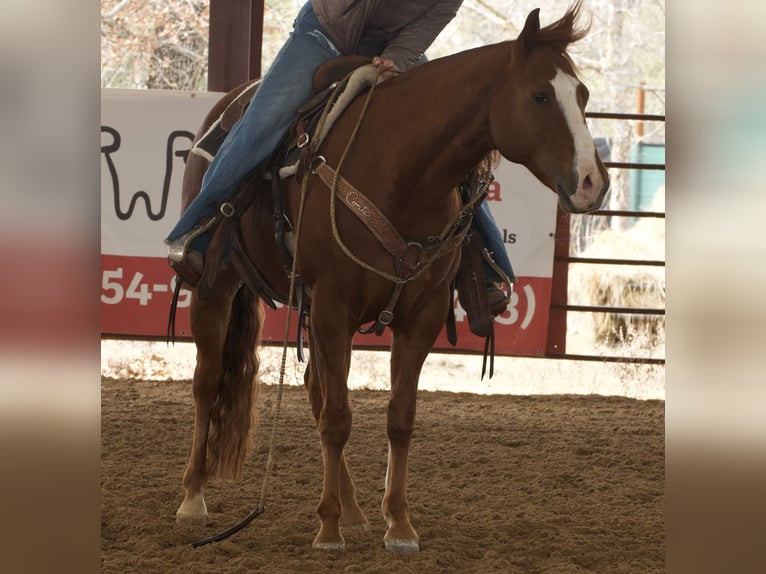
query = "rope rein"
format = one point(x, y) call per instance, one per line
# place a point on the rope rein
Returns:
point(282, 366)
point(333, 188)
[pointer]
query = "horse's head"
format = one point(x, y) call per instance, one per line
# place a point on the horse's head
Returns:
point(537, 114)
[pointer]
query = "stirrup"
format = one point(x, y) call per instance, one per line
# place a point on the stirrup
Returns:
point(498, 306)
point(178, 248)
point(178, 253)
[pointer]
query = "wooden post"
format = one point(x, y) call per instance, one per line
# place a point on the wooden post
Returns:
point(234, 49)
point(556, 341)
point(256, 38)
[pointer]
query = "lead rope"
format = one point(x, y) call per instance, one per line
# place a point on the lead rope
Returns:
point(261, 508)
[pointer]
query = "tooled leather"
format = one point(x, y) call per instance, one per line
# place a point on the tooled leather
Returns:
point(365, 210)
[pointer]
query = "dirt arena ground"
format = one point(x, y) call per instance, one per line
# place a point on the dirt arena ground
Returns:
point(513, 484)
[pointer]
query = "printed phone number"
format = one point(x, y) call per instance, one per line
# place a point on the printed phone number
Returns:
point(513, 313)
point(115, 291)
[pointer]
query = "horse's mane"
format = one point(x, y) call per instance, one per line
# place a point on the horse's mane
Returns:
point(564, 31)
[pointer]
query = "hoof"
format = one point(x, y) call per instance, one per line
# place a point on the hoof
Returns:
point(405, 546)
point(329, 545)
point(192, 512)
point(191, 519)
point(329, 538)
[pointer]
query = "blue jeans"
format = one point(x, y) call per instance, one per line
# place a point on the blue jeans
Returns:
point(284, 88)
point(491, 239)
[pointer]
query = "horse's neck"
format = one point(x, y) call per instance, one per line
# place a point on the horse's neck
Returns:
point(442, 113)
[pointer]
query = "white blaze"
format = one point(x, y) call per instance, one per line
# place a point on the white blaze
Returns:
point(585, 166)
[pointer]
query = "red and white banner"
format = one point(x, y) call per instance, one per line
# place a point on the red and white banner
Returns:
point(145, 136)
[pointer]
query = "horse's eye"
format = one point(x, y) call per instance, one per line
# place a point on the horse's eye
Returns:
point(540, 98)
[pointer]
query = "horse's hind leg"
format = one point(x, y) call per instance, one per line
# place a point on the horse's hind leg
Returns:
point(351, 515)
point(209, 323)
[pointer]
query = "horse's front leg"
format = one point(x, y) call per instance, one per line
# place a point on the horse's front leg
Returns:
point(408, 352)
point(351, 515)
point(400, 536)
point(330, 356)
point(209, 322)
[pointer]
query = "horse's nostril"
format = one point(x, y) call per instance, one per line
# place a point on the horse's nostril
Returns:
point(587, 183)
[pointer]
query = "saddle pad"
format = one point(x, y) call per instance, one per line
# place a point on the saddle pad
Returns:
point(361, 79)
point(209, 144)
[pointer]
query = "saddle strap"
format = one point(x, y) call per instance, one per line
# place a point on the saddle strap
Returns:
point(411, 256)
point(252, 277)
point(171, 333)
point(489, 351)
point(217, 254)
point(282, 224)
point(386, 315)
point(472, 290)
point(364, 209)
point(227, 221)
point(304, 314)
point(451, 325)
point(472, 293)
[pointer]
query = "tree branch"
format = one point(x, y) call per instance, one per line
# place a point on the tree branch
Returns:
point(116, 9)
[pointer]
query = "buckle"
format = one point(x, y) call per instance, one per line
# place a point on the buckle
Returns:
point(385, 317)
point(411, 258)
point(303, 140)
point(316, 162)
point(227, 209)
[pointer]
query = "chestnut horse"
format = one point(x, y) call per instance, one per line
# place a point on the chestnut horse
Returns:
point(422, 132)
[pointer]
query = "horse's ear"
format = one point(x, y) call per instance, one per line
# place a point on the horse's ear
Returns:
point(531, 28)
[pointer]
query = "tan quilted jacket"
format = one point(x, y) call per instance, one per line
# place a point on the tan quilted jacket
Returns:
point(408, 27)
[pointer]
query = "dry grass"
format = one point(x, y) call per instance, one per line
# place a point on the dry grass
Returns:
point(621, 286)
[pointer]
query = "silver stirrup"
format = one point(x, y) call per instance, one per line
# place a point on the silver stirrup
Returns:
point(178, 247)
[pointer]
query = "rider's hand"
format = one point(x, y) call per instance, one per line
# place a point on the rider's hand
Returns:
point(386, 67)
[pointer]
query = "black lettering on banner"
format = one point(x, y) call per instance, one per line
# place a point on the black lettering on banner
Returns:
point(509, 238)
point(178, 146)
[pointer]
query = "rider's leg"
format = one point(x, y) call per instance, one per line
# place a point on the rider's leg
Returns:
point(284, 88)
point(491, 239)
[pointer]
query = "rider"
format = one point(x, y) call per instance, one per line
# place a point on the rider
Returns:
point(395, 34)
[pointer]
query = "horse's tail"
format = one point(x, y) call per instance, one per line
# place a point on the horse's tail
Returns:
point(234, 410)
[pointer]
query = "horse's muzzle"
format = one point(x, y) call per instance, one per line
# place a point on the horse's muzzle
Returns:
point(585, 191)
point(576, 201)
